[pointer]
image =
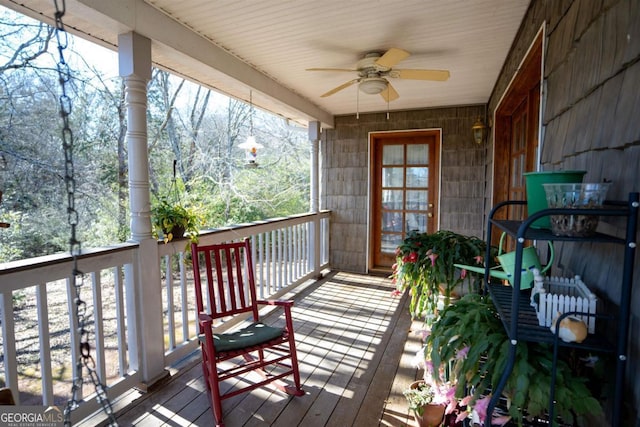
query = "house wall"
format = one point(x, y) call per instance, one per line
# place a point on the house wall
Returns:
point(591, 121)
point(345, 176)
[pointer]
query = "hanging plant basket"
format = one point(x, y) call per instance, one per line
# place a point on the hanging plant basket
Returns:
point(176, 232)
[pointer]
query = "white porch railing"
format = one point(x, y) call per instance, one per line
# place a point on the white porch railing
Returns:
point(284, 254)
point(37, 306)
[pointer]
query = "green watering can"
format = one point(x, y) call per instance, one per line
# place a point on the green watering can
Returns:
point(507, 260)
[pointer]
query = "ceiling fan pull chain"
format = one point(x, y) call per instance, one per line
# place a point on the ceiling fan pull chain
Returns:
point(387, 103)
point(84, 358)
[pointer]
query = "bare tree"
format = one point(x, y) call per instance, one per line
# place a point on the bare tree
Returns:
point(187, 123)
point(22, 41)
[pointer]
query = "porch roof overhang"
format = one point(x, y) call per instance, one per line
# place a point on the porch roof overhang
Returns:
point(266, 46)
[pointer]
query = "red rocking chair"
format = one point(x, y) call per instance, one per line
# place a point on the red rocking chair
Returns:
point(226, 272)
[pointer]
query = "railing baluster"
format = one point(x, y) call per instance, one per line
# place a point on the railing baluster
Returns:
point(260, 264)
point(74, 339)
point(295, 258)
point(9, 344)
point(286, 255)
point(132, 320)
point(184, 299)
point(269, 250)
point(98, 326)
point(169, 289)
point(120, 322)
point(45, 344)
point(280, 248)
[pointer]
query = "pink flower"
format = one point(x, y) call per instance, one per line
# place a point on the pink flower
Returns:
point(451, 407)
point(396, 293)
point(501, 420)
point(461, 416)
point(463, 273)
point(428, 370)
point(479, 259)
point(451, 394)
point(465, 400)
point(481, 407)
point(452, 402)
point(462, 353)
point(433, 257)
point(394, 267)
point(424, 334)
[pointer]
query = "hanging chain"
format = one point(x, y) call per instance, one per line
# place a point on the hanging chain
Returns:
point(84, 358)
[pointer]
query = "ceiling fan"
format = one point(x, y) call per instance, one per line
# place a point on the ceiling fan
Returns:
point(374, 69)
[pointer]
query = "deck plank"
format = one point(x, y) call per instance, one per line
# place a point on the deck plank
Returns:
point(355, 347)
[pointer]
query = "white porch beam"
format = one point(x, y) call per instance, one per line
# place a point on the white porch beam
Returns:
point(143, 19)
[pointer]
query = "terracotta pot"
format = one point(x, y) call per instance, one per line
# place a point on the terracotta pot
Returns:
point(432, 414)
point(431, 417)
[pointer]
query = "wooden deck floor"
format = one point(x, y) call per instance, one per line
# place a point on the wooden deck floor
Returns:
point(355, 349)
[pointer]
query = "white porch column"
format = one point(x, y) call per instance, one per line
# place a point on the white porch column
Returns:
point(145, 333)
point(314, 138)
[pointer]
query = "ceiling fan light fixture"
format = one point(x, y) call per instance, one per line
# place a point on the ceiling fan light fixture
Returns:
point(373, 85)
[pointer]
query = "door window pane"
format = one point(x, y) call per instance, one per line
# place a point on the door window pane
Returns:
point(390, 242)
point(416, 222)
point(392, 177)
point(417, 200)
point(392, 221)
point(417, 177)
point(417, 154)
point(392, 199)
point(392, 155)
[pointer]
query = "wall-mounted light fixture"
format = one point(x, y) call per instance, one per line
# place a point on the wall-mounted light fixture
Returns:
point(479, 131)
point(250, 146)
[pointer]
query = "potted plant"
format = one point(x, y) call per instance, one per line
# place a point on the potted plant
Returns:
point(468, 346)
point(425, 267)
point(174, 220)
point(424, 402)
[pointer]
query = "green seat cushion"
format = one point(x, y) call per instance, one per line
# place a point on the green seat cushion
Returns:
point(254, 334)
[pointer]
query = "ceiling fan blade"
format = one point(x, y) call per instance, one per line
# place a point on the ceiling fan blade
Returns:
point(437, 75)
point(330, 69)
point(392, 57)
point(339, 88)
point(389, 94)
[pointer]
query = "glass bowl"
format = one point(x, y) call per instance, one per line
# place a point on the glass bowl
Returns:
point(575, 196)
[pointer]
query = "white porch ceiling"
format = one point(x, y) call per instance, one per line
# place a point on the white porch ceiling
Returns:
point(267, 45)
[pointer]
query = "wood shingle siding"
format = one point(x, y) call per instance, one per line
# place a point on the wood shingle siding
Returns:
point(590, 118)
point(345, 182)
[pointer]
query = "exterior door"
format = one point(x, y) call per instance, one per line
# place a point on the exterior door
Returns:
point(519, 160)
point(516, 134)
point(404, 190)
